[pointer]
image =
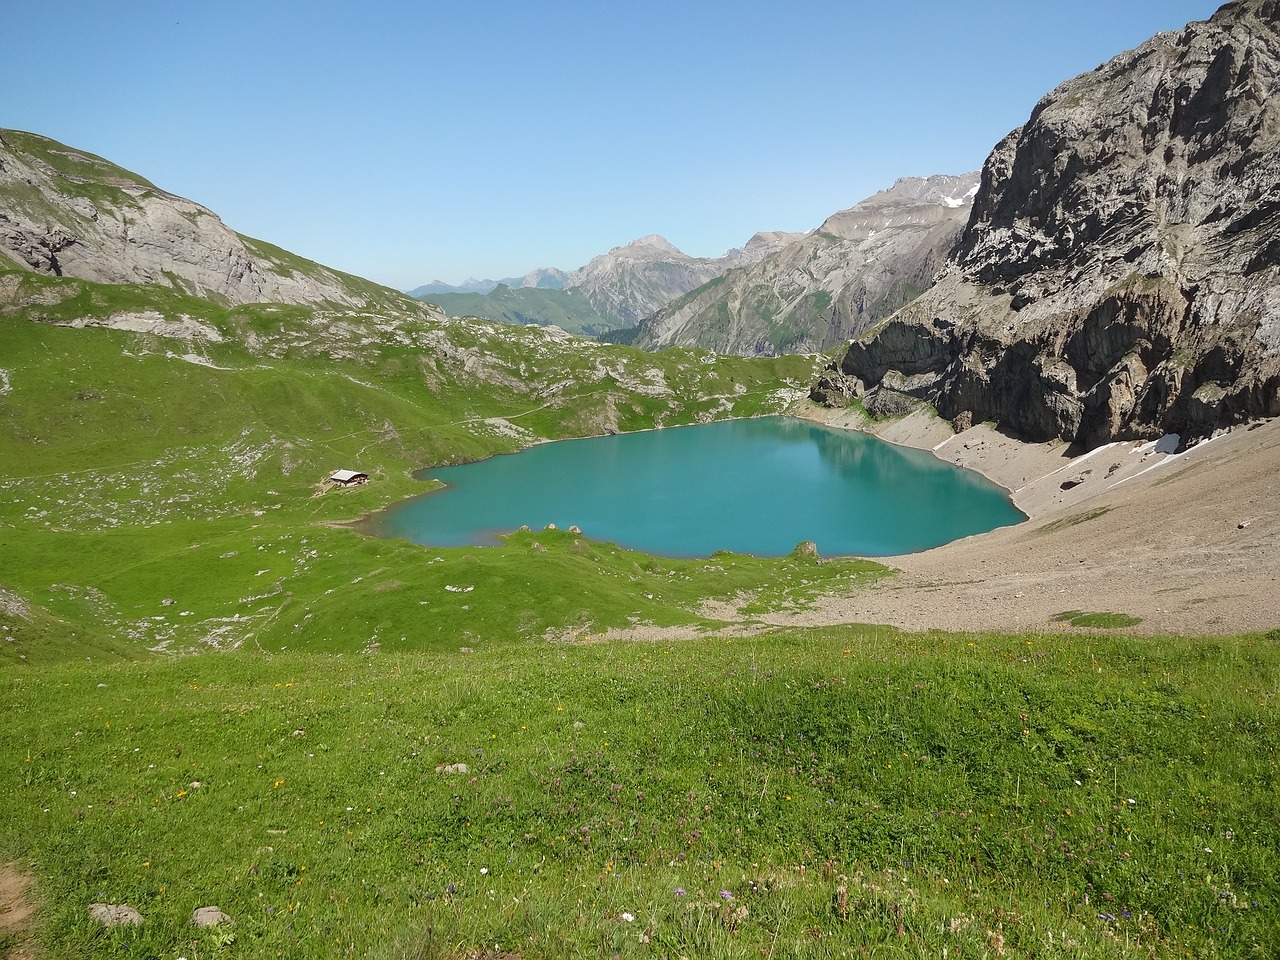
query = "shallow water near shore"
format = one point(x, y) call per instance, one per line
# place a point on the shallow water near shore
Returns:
point(755, 486)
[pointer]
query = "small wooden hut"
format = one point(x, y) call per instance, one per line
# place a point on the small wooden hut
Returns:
point(348, 478)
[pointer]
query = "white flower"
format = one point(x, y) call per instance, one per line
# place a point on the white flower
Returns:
point(484, 870)
point(626, 917)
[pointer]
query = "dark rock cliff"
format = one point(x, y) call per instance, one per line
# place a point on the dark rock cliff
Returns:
point(1119, 276)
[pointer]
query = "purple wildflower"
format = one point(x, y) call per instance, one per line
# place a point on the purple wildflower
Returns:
point(680, 891)
point(726, 895)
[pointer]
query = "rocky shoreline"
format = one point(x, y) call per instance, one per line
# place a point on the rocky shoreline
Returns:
point(1188, 542)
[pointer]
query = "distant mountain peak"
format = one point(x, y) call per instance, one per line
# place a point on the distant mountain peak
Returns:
point(652, 241)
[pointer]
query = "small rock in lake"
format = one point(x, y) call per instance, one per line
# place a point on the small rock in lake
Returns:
point(806, 550)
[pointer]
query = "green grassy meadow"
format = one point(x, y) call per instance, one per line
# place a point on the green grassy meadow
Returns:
point(216, 691)
point(843, 792)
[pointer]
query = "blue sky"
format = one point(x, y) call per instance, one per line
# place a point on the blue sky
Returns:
point(410, 141)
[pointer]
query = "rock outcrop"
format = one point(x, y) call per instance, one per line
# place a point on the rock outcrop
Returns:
point(1119, 276)
point(814, 291)
point(67, 213)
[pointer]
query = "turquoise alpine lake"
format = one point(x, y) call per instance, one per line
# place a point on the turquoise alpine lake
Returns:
point(755, 486)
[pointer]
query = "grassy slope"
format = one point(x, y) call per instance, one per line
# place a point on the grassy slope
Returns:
point(854, 792)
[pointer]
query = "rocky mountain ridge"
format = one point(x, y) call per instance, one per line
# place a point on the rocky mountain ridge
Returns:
point(543, 278)
point(65, 212)
point(624, 285)
point(1119, 277)
point(635, 279)
point(818, 289)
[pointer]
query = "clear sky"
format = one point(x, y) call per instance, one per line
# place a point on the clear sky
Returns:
point(413, 140)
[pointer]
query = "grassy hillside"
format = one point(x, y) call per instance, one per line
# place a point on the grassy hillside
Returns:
point(169, 493)
point(567, 309)
point(849, 792)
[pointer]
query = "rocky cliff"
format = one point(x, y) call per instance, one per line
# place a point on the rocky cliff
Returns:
point(632, 281)
point(1119, 276)
point(816, 290)
point(64, 212)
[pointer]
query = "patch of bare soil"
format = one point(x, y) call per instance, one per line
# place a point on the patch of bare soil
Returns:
point(17, 914)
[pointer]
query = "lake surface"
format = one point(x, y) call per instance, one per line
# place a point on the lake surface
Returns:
point(749, 486)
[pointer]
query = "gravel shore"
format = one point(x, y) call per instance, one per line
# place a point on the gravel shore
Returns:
point(1188, 542)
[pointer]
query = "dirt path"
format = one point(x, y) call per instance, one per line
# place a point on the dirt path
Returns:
point(17, 914)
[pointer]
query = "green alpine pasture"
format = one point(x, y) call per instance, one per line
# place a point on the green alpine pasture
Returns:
point(843, 792)
point(217, 691)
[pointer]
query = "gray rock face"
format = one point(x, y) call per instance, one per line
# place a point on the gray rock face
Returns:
point(761, 245)
point(815, 291)
point(632, 281)
point(67, 213)
point(1120, 274)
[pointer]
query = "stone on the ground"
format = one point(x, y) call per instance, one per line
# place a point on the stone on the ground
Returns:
point(114, 914)
point(209, 917)
point(576, 530)
point(453, 768)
